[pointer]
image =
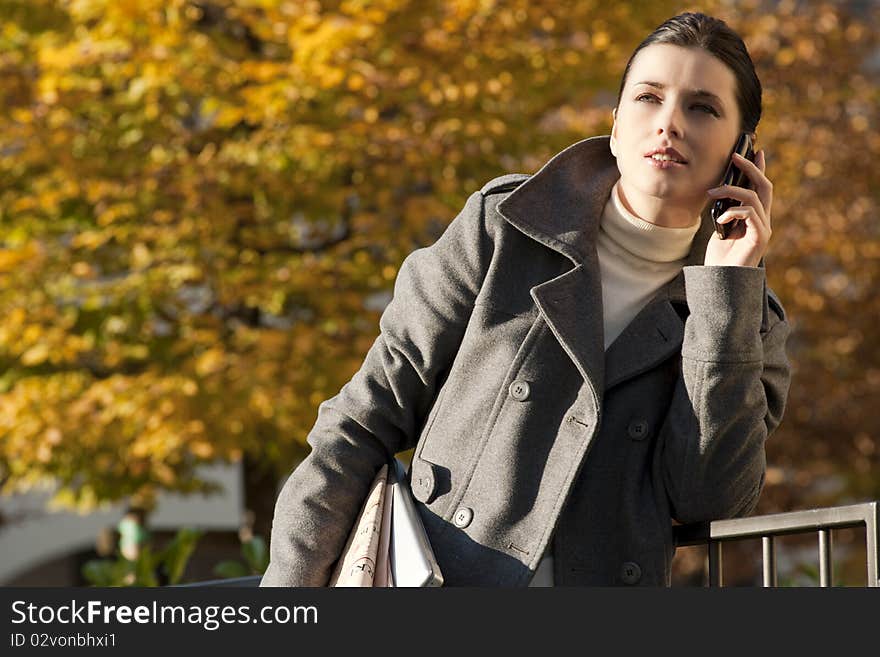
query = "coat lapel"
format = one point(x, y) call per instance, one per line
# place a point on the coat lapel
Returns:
point(654, 335)
point(560, 207)
point(577, 326)
point(657, 331)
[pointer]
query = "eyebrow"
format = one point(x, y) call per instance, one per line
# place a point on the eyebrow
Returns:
point(694, 92)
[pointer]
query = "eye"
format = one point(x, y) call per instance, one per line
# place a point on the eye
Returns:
point(709, 108)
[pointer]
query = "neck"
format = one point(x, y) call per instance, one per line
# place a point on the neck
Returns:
point(660, 212)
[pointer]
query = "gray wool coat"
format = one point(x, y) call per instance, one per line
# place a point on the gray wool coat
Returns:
point(490, 361)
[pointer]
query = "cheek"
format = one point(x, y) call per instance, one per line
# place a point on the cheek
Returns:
point(636, 117)
point(625, 137)
point(720, 161)
point(714, 172)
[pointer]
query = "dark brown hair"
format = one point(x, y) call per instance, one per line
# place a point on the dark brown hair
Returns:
point(695, 30)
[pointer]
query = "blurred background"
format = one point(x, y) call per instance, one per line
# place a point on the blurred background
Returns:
point(204, 205)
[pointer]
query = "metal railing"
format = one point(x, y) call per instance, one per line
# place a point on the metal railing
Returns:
point(768, 527)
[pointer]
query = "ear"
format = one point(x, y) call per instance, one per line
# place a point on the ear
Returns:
point(614, 132)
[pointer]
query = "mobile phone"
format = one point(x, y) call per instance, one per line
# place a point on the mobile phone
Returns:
point(733, 176)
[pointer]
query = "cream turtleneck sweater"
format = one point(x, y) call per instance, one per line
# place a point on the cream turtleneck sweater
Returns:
point(636, 258)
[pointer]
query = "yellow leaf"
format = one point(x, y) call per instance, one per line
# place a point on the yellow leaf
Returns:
point(202, 449)
point(601, 40)
point(9, 260)
point(22, 115)
point(35, 355)
point(163, 473)
point(785, 56)
point(210, 362)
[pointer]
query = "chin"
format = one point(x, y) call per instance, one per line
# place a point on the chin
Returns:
point(664, 191)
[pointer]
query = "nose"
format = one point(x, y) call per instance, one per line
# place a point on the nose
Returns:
point(670, 121)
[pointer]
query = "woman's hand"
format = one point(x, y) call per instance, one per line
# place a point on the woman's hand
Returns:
point(747, 242)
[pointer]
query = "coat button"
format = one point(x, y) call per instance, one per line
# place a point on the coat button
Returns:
point(630, 572)
point(519, 390)
point(637, 429)
point(463, 517)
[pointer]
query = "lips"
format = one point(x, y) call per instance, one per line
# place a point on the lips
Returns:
point(669, 152)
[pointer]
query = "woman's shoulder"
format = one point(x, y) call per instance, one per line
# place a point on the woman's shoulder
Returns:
point(506, 183)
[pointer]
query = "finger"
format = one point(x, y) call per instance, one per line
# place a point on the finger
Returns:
point(749, 216)
point(736, 226)
point(731, 215)
point(755, 173)
point(742, 213)
point(747, 197)
point(741, 194)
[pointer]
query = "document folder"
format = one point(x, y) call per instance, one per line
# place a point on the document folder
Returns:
point(411, 557)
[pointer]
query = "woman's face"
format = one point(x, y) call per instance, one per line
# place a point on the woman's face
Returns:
point(664, 104)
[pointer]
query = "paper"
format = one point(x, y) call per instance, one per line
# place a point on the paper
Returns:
point(358, 565)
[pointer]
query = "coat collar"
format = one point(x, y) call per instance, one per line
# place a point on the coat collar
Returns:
point(561, 206)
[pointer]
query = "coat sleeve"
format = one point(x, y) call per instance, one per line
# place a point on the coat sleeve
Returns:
point(379, 411)
point(730, 397)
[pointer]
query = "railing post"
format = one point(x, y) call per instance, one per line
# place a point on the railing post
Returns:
point(872, 522)
point(769, 545)
point(715, 571)
point(825, 565)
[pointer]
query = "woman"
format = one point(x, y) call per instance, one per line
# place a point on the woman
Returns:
point(579, 360)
